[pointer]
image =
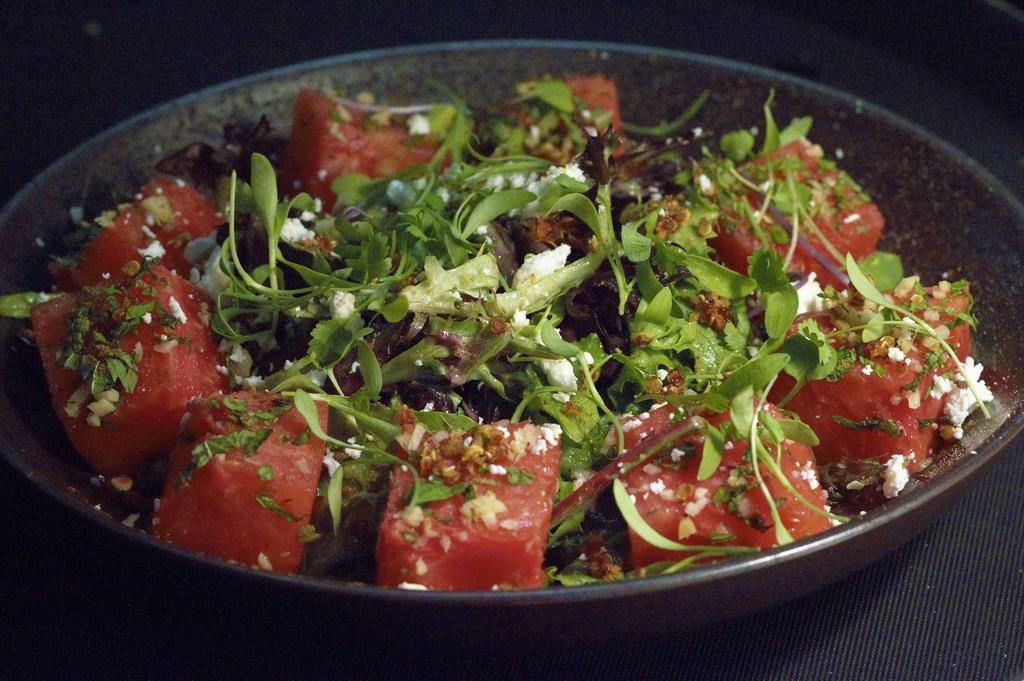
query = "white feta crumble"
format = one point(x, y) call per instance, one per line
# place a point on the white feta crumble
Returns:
point(940, 386)
point(410, 586)
point(330, 464)
point(239, 360)
point(212, 280)
point(251, 381)
point(809, 475)
point(807, 296)
point(570, 170)
point(176, 311)
point(154, 250)
point(519, 319)
point(661, 373)
point(961, 400)
point(867, 370)
point(700, 500)
point(293, 231)
point(707, 187)
point(896, 355)
point(551, 432)
point(630, 424)
point(895, 476)
point(418, 124)
point(560, 373)
point(658, 486)
point(676, 455)
point(343, 304)
point(495, 469)
point(540, 265)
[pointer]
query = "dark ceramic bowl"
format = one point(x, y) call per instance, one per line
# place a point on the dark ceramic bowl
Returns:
point(944, 214)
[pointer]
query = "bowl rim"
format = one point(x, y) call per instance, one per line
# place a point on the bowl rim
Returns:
point(960, 473)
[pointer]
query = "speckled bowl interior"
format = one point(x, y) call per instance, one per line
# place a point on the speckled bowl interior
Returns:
point(945, 216)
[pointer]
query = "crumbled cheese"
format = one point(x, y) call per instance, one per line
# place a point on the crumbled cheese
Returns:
point(263, 562)
point(293, 231)
point(560, 373)
point(418, 124)
point(551, 432)
point(154, 250)
point(809, 474)
point(867, 370)
point(851, 218)
point(807, 296)
point(895, 476)
point(700, 500)
point(495, 469)
point(176, 311)
point(540, 265)
point(662, 374)
point(570, 170)
point(707, 187)
point(212, 280)
point(485, 508)
point(896, 355)
point(630, 424)
point(961, 400)
point(330, 464)
point(343, 304)
point(940, 386)
point(239, 360)
point(677, 455)
point(658, 486)
point(251, 381)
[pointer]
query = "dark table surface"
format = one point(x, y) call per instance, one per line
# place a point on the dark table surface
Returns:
point(948, 605)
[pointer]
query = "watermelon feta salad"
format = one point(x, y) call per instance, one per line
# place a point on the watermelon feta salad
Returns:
point(454, 348)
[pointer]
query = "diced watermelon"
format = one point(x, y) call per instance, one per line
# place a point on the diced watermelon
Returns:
point(600, 93)
point(170, 370)
point(684, 509)
point(850, 223)
point(497, 538)
point(865, 394)
point(328, 140)
point(242, 480)
point(168, 212)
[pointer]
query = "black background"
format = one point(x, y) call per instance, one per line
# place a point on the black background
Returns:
point(950, 604)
